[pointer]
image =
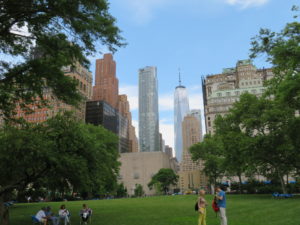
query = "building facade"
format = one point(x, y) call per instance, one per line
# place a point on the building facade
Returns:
point(181, 109)
point(191, 176)
point(106, 83)
point(40, 114)
point(148, 110)
point(139, 168)
point(197, 114)
point(220, 91)
point(102, 113)
point(124, 109)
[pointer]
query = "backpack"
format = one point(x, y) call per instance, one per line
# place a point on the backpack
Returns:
point(196, 206)
point(215, 205)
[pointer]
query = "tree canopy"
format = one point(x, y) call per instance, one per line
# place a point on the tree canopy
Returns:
point(39, 37)
point(60, 154)
point(164, 178)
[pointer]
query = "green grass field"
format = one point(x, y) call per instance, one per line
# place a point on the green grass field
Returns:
point(173, 210)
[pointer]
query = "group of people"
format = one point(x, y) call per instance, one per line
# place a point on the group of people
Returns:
point(45, 215)
point(220, 199)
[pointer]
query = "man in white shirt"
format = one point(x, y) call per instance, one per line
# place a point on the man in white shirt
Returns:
point(41, 216)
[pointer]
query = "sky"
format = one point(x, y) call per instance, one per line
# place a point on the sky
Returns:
point(200, 37)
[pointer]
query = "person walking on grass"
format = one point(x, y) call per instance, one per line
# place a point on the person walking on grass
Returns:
point(221, 198)
point(202, 208)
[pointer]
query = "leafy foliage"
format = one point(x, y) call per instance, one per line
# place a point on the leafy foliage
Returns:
point(164, 178)
point(39, 37)
point(60, 154)
point(138, 191)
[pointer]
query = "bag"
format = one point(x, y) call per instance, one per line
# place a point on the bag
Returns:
point(196, 207)
point(215, 205)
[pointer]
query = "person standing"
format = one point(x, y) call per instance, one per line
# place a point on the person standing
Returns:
point(221, 197)
point(202, 208)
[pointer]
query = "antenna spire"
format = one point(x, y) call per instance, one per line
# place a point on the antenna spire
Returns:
point(179, 77)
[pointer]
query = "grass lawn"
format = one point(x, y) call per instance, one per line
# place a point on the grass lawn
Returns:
point(173, 210)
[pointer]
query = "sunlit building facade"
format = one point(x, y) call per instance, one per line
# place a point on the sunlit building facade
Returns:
point(181, 109)
point(148, 110)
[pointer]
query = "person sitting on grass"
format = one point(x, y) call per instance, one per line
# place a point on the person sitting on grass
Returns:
point(41, 216)
point(85, 213)
point(50, 216)
point(64, 214)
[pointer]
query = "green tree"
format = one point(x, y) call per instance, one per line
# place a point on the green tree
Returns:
point(121, 191)
point(211, 152)
point(62, 154)
point(60, 33)
point(138, 191)
point(164, 177)
point(236, 146)
point(267, 126)
point(282, 51)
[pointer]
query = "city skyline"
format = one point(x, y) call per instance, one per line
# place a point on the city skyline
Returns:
point(200, 37)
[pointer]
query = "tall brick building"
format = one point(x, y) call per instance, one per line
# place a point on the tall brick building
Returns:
point(38, 115)
point(106, 83)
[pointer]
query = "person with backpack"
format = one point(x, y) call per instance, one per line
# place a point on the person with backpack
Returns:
point(221, 201)
point(202, 208)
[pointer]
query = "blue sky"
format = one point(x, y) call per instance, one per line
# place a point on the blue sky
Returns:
point(200, 36)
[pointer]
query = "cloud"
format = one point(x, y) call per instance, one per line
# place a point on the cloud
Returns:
point(167, 131)
point(142, 10)
point(166, 102)
point(247, 3)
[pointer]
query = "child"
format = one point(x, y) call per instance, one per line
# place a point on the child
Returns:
point(202, 208)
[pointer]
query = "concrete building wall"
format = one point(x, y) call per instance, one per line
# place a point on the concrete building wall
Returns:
point(139, 167)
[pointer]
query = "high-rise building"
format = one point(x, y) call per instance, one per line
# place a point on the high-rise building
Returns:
point(102, 113)
point(181, 109)
point(106, 83)
point(190, 175)
point(124, 109)
point(197, 114)
point(169, 151)
point(220, 91)
point(148, 110)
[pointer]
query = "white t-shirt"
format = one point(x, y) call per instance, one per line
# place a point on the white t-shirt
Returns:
point(40, 215)
point(63, 212)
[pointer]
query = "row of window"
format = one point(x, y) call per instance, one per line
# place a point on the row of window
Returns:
point(237, 93)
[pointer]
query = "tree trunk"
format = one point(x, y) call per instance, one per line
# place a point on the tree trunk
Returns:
point(4, 213)
point(281, 178)
point(240, 184)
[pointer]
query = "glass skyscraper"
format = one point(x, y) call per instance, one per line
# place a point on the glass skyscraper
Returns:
point(148, 110)
point(181, 109)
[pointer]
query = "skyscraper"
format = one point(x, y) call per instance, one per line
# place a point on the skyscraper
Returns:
point(148, 110)
point(190, 175)
point(181, 109)
point(197, 114)
point(106, 83)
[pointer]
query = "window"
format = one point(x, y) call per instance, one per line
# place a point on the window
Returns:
point(219, 94)
point(227, 93)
